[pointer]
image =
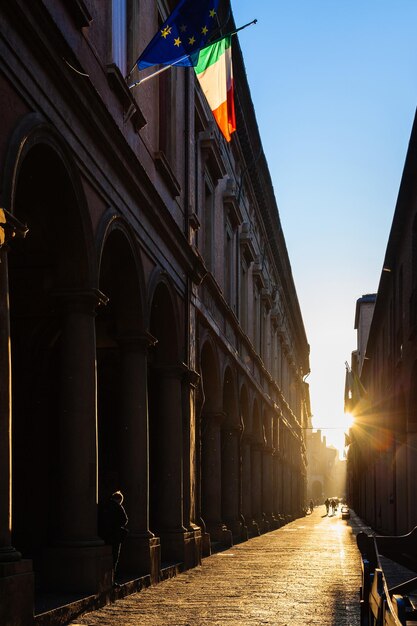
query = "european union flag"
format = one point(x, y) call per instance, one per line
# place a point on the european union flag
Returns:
point(182, 35)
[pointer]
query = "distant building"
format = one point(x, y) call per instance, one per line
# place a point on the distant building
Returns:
point(382, 456)
point(151, 338)
point(326, 473)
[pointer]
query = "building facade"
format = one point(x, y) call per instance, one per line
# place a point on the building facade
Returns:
point(151, 338)
point(326, 473)
point(382, 453)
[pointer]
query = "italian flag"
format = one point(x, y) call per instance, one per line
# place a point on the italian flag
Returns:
point(215, 74)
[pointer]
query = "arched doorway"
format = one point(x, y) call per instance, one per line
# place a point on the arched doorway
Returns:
point(119, 330)
point(122, 347)
point(212, 417)
point(317, 491)
point(52, 344)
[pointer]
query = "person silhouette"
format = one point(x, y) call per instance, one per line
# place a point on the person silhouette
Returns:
point(112, 526)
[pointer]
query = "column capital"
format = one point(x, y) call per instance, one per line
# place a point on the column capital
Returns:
point(132, 340)
point(80, 300)
point(192, 378)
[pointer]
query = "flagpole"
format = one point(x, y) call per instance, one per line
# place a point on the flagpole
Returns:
point(162, 69)
point(166, 67)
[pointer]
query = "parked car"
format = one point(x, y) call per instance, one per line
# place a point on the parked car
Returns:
point(345, 512)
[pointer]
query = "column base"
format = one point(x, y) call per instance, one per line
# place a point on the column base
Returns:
point(205, 544)
point(219, 533)
point(181, 547)
point(78, 569)
point(16, 593)
point(271, 521)
point(140, 555)
point(253, 528)
point(238, 529)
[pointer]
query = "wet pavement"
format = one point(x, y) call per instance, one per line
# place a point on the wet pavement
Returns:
point(307, 572)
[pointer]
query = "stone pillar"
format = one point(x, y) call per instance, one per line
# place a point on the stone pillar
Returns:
point(79, 561)
point(287, 489)
point(190, 382)
point(140, 552)
point(175, 538)
point(256, 456)
point(253, 528)
point(211, 488)
point(276, 489)
point(230, 481)
point(409, 479)
point(267, 482)
point(16, 575)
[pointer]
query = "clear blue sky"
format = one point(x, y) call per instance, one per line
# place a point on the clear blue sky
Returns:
point(334, 84)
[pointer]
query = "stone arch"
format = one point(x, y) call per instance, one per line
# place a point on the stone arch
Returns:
point(161, 292)
point(119, 334)
point(122, 345)
point(210, 377)
point(51, 274)
point(52, 162)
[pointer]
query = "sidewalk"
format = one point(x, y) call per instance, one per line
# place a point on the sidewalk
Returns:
point(307, 572)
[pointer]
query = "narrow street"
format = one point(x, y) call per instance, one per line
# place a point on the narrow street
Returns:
point(307, 572)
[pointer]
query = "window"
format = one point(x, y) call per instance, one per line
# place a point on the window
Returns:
point(119, 34)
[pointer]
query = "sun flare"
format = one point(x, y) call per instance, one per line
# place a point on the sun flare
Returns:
point(347, 421)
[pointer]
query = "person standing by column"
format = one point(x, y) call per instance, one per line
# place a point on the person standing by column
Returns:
point(112, 526)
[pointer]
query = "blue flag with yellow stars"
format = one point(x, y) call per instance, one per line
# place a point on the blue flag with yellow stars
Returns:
point(182, 35)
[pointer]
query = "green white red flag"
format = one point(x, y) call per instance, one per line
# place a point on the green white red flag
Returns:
point(215, 74)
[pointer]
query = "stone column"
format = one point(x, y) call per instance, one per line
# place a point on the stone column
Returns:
point(16, 576)
point(191, 467)
point(253, 528)
point(267, 473)
point(230, 481)
point(211, 495)
point(286, 488)
point(140, 552)
point(276, 488)
point(79, 561)
point(256, 456)
point(409, 478)
point(174, 536)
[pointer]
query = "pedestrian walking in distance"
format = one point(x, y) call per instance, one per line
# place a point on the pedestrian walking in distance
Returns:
point(112, 524)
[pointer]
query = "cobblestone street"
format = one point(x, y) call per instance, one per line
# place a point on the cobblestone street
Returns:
point(307, 572)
